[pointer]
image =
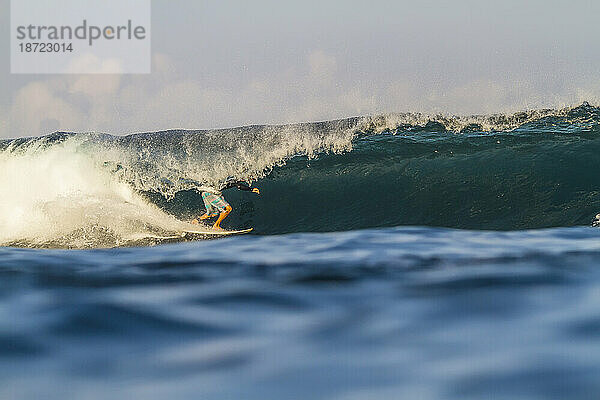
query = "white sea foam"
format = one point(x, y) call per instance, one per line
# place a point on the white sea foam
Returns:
point(59, 194)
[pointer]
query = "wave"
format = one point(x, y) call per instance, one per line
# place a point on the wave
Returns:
point(526, 170)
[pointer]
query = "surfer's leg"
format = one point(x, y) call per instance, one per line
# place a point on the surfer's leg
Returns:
point(218, 204)
point(211, 211)
point(222, 216)
point(204, 216)
point(196, 221)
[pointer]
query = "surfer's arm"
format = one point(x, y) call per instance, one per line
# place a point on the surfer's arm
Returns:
point(241, 186)
point(247, 188)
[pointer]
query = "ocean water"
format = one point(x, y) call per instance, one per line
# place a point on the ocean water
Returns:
point(394, 256)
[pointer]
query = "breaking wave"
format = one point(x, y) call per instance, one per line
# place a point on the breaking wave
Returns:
point(526, 170)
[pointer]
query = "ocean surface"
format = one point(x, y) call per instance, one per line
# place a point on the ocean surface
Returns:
point(399, 256)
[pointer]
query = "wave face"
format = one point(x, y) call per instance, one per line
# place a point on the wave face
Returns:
point(505, 172)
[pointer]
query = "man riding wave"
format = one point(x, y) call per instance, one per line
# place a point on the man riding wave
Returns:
point(215, 203)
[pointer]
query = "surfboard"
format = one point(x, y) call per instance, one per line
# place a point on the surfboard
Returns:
point(154, 236)
point(218, 233)
point(184, 233)
point(163, 237)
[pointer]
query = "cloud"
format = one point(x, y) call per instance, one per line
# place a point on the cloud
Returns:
point(35, 105)
point(122, 104)
point(165, 99)
point(92, 63)
point(95, 102)
point(322, 65)
point(4, 126)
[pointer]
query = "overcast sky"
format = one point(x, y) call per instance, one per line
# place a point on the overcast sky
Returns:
point(230, 63)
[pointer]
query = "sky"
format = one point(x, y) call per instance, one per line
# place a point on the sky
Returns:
point(230, 63)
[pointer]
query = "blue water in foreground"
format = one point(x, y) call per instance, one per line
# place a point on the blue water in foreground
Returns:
point(394, 313)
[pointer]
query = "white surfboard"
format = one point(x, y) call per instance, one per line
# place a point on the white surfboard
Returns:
point(217, 232)
point(143, 236)
point(163, 237)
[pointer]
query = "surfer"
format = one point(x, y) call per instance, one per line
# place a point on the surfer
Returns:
point(215, 203)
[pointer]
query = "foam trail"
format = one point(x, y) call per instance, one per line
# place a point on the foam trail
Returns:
point(60, 196)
